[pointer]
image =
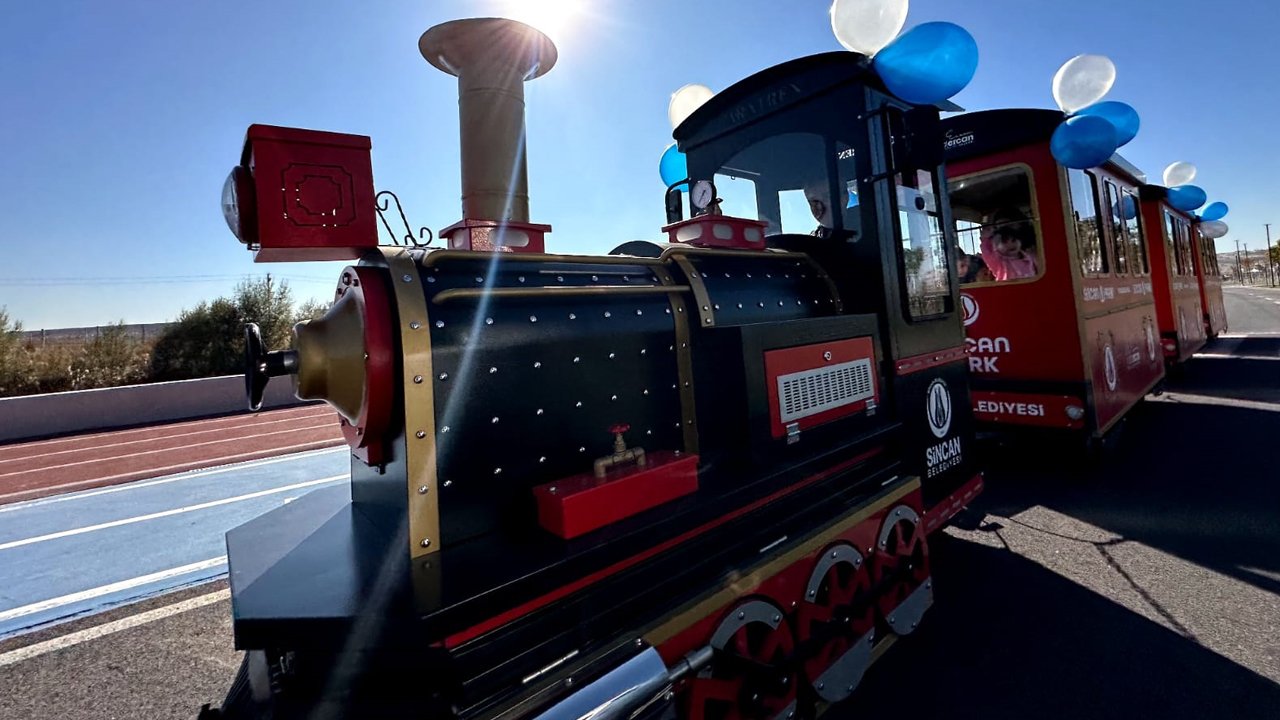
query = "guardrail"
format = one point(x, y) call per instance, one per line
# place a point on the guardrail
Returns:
point(38, 416)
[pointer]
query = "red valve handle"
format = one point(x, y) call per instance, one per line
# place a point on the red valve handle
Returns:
point(619, 428)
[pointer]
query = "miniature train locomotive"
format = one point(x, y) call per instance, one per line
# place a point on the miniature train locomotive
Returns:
point(696, 480)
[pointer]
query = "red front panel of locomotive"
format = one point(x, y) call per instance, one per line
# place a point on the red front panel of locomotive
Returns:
point(314, 194)
point(815, 384)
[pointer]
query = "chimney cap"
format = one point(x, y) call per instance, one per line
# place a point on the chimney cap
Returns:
point(457, 44)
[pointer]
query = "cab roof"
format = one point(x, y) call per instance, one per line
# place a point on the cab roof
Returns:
point(777, 88)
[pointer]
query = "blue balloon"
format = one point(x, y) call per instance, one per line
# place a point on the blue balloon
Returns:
point(673, 167)
point(1121, 115)
point(929, 63)
point(1083, 142)
point(1216, 211)
point(1187, 197)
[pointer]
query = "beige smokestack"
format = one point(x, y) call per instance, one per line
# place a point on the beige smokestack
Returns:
point(492, 59)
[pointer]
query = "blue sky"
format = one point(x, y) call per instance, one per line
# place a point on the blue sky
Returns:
point(120, 120)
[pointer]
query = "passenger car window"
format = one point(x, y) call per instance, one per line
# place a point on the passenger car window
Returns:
point(1119, 242)
point(925, 273)
point(1137, 246)
point(1171, 244)
point(1084, 210)
point(1189, 263)
point(997, 227)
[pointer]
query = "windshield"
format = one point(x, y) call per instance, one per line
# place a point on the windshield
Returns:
point(798, 183)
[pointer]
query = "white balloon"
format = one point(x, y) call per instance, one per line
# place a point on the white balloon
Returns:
point(1213, 229)
point(867, 26)
point(685, 100)
point(1082, 81)
point(1179, 173)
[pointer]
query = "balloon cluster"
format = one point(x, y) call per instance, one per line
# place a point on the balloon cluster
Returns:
point(1094, 129)
point(1188, 198)
point(673, 166)
point(925, 65)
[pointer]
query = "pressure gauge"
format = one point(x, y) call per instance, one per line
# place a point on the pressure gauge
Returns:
point(702, 194)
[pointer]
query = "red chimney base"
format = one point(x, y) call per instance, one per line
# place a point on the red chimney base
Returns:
point(496, 236)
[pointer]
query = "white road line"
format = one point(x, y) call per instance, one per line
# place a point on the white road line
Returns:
point(189, 475)
point(167, 513)
point(1190, 399)
point(101, 590)
point(1231, 356)
point(59, 643)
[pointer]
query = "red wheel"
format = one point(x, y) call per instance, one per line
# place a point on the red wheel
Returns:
point(901, 570)
point(751, 675)
point(836, 622)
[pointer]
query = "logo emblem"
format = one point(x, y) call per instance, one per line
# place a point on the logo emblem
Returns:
point(1109, 362)
point(970, 308)
point(938, 408)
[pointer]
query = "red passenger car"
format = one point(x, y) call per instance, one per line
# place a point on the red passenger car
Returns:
point(1059, 304)
point(1174, 243)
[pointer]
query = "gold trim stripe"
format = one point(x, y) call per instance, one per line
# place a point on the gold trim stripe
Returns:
point(684, 360)
point(699, 609)
point(437, 256)
point(706, 311)
point(423, 503)
point(445, 296)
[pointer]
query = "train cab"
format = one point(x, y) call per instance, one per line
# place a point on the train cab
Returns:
point(1174, 243)
point(853, 179)
point(1056, 282)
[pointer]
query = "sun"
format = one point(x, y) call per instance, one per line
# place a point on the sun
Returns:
point(555, 18)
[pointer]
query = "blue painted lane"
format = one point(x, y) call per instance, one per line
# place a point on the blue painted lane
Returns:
point(69, 555)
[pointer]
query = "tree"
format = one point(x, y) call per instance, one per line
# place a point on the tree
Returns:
point(15, 362)
point(311, 310)
point(268, 305)
point(204, 342)
point(111, 359)
point(209, 339)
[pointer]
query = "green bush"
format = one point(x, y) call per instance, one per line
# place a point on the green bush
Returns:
point(209, 339)
point(205, 341)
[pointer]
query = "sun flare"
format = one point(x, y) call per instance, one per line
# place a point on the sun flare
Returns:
point(555, 18)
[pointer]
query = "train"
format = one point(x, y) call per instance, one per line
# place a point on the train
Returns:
point(691, 479)
point(1081, 289)
point(694, 478)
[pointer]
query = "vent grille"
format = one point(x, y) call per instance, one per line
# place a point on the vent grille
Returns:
point(815, 391)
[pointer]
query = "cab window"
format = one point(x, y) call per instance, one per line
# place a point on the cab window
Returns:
point(797, 183)
point(997, 227)
point(1088, 223)
point(924, 247)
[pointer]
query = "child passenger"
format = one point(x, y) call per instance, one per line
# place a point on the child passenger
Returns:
point(1008, 246)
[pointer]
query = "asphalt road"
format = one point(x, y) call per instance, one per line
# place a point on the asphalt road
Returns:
point(1148, 588)
point(1252, 309)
